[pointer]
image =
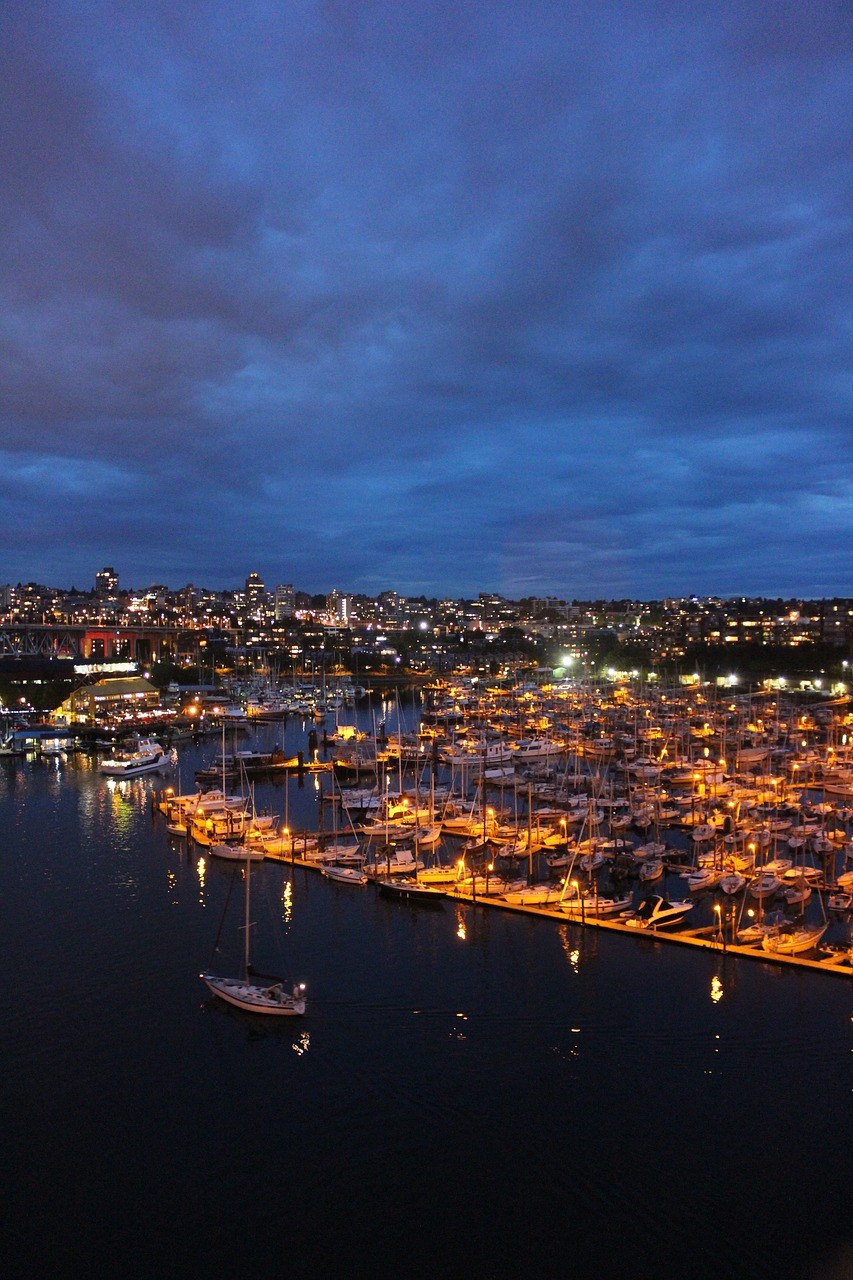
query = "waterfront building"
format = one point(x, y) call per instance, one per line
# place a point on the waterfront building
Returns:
point(108, 699)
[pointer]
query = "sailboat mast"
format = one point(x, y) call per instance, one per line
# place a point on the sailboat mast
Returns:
point(248, 918)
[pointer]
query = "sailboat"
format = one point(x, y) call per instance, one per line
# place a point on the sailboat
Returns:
point(249, 996)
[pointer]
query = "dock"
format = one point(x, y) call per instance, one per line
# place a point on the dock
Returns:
point(708, 938)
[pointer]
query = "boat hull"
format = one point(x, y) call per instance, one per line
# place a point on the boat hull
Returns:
point(272, 1001)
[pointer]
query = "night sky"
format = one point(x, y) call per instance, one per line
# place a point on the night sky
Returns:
point(535, 298)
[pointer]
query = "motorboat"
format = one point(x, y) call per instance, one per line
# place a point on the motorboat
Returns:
point(344, 875)
point(705, 878)
point(655, 911)
point(410, 889)
point(234, 852)
point(147, 756)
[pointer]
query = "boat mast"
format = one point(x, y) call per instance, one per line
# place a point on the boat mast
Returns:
point(247, 925)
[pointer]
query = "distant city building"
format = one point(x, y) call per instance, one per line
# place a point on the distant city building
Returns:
point(339, 606)
point(106, 584)
point(255, 593)
point(284, 605)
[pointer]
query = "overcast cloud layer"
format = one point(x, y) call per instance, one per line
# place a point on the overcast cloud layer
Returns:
point(541, 298)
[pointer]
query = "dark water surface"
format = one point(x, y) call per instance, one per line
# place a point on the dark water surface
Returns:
point(471, 1093)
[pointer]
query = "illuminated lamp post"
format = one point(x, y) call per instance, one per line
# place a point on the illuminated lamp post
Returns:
point(576, 887)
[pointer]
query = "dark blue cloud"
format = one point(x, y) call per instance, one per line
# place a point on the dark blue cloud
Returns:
point(443, 297)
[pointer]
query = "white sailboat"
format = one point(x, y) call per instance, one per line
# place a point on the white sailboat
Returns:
point(249, 996)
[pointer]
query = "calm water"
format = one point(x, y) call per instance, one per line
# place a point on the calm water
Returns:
point(471, 1093)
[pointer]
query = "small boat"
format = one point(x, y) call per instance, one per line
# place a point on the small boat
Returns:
point(651, 870)
point(534, 895)
point(796, 892)
point(655, 911)
point(705, 878)
point(752, 935)
point(234, 852)
point(764, 886)
point(438, 875)
point(269, 999)
point(596, 905)
point(252, 998)
point(794, 941)
point(777, 866)
point(344, 875)
point(410, 889)
point(732, 882)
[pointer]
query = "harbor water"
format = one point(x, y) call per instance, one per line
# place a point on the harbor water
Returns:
point(470, 1093)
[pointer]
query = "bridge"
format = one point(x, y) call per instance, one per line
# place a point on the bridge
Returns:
point(87, 641)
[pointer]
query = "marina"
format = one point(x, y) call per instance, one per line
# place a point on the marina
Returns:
point(442, 1047)
point(556, 829)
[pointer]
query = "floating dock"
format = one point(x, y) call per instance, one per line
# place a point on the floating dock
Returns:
point(709, 938)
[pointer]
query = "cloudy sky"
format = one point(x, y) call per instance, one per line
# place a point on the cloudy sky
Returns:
point(540, 298)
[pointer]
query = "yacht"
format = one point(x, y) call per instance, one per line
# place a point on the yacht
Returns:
point(655, 911)
point(145, 758)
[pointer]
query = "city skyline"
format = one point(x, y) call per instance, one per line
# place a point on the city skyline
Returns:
point(441, 299)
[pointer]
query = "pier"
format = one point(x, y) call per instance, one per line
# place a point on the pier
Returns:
point(707, 938)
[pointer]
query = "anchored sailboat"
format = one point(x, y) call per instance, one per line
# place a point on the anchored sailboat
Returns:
point(250, 996)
